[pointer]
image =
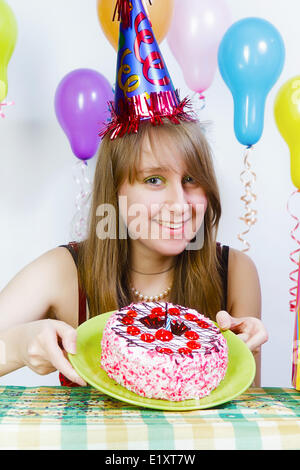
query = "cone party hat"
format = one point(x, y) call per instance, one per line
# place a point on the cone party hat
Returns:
point(144, 89)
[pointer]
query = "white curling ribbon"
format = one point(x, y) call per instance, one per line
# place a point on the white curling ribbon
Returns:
point(248, 178)
point(80, 219)
point(198, 102)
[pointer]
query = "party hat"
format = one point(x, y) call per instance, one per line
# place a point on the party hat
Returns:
point(144, 89)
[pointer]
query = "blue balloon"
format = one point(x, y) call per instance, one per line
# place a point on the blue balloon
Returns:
point(251, 57)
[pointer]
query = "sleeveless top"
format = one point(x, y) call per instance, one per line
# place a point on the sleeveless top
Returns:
point(83, 308)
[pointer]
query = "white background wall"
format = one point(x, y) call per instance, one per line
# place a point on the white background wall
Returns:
point(37, 191)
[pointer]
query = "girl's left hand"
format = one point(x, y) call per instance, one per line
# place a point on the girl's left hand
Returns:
point(251, 330)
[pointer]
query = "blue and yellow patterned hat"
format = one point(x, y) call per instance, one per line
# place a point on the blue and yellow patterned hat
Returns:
point(144, 89)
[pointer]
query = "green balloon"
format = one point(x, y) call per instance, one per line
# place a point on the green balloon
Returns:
point(8, 39)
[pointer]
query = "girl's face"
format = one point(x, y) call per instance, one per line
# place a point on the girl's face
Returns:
point(164, 208)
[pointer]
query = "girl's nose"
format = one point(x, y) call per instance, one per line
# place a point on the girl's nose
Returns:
point(176, 199)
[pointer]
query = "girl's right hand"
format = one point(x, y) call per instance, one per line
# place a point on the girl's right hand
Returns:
point(41, 352)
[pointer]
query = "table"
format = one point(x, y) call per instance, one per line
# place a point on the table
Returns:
point(83, 418)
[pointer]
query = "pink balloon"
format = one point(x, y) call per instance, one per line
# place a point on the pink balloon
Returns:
point(196, 31)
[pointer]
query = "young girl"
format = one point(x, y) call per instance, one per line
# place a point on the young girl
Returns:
point(167, 170)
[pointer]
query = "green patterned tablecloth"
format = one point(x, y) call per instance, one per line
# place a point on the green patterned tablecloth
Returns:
point(83, 418)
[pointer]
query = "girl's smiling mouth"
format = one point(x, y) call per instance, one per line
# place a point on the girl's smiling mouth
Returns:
point(172, 226)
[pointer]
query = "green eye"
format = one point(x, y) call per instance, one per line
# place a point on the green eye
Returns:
point(153, 178)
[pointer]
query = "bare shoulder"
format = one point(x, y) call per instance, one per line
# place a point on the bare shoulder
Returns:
point(244, 293)
point(65, 298)
point(44, 288)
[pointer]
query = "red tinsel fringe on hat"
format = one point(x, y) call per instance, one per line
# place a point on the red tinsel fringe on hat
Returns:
point(131, 112)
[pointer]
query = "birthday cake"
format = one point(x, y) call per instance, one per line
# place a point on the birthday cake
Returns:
point(164, 351)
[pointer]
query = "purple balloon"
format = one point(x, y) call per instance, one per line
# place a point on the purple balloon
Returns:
point(81, 109)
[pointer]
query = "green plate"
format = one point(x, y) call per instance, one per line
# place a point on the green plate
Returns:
point(239, 376)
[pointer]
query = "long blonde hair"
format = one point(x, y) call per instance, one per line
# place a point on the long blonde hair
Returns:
point(104, 263)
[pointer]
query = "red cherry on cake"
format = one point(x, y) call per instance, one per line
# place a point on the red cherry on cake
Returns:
point(184, 351)
point(174, 311)
point(164, 350)
point(193, 345)
point(133, 330)
point(190, 317)
point(153, 315)
point(158, 311)
point(127, 320)
point(202, 324)
point(147, 337)
point(131, 313)
point(164, 335)
point(191, 335)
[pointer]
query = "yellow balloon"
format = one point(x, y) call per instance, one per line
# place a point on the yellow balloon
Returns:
point(287, 117)
point(8, 38)
point(160, 13)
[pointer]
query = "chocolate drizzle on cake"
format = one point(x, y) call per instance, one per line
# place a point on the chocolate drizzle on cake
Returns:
point(146, 321)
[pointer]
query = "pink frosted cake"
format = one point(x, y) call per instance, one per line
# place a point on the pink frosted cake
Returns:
point(166, 351)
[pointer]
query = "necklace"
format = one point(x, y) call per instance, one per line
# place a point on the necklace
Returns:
point(150, 274)
point(150, 298)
